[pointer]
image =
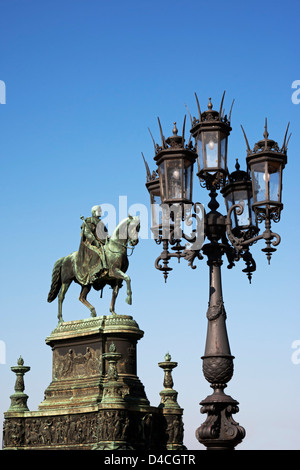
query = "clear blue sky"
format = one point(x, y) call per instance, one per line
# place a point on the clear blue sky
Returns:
point(84, 81)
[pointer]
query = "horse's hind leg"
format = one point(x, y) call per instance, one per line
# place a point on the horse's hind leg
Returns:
point(65, 286)
point(84, 292)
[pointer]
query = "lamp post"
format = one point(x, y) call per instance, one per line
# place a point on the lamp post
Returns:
point(251, 197)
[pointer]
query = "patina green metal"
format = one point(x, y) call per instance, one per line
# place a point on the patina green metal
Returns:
point(112, 388)
point(170, 407)
point(101, 260)
point(168, 395)
point(90, 259)
point(19, 398)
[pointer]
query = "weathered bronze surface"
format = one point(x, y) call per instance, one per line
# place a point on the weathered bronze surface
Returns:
point(99, 261)
point(19, 398)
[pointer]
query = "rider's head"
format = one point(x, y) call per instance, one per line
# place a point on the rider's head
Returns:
point(96, 211)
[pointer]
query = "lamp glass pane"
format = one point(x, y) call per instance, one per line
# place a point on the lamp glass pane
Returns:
point(241, 197)
point(162, 179)
point(229, 202)
point(174, 174)
point(273, 178)
point(188, 175)
point(259, 182)
point(211, 149)
point(223, 151)
point(200, 152)
point(155, 208)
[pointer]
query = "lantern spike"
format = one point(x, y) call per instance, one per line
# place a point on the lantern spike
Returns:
point(266, 134)
point(147, 168)
point(288, 141)
point(247, 143)
point(152, 140)
point(161, 134)
point(198, 106)
point(230, 111)
point(183, 130)
point(189, 115)
point(221, 105)
point(284, 145)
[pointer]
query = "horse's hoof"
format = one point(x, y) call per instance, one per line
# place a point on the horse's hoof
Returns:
point(93, 313)
point(129, 300)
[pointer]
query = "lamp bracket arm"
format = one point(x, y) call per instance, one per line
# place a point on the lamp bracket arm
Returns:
point(241, 244)
point(237, 242)
point(266, 235)
point(190, 256)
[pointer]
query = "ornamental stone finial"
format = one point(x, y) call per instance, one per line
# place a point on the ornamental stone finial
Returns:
point(168, 395)
point(19, 398)
point(112, 387)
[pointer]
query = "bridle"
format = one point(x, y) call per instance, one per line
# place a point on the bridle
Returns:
point(123, 245)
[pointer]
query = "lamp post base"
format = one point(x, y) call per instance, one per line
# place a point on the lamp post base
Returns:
point(220, 431)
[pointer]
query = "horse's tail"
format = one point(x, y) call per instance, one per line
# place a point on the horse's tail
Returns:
point(56, 280)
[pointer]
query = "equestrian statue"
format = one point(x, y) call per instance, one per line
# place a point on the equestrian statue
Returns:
point(100, 260)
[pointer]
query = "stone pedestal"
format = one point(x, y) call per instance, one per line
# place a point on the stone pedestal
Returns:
point(95, 399)
point(79, 367)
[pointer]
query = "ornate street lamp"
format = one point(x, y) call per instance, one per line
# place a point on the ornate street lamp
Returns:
point(251, 197)
point(266, 163)
point(170, 188)
point(175, 168)
point(211, 131)
point(238, 190)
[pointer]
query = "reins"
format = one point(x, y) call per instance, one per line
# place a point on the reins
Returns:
point(124, 245)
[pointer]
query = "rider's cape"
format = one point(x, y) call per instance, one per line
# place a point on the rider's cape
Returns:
point(90, 260)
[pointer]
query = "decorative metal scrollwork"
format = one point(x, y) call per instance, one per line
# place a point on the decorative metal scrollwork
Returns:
point(242, 243)
point(191, 250)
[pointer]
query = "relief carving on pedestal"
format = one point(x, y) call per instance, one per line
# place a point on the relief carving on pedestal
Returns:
point(75, 364)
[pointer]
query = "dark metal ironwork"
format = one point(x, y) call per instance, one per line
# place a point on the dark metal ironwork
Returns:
point(252, 197)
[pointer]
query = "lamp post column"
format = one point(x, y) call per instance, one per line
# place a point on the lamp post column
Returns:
point(219, 431)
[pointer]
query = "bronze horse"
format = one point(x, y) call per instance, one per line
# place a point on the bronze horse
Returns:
point(124, 236)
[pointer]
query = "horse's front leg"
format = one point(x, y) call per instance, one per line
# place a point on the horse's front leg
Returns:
point(82, 297)
point(113, 299)
point(118, 274)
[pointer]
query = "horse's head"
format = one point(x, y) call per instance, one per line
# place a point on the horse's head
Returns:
point(127, 231)
point(133, 228)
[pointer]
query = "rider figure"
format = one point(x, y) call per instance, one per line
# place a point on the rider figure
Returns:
point(91, 256)
point(93, 227)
